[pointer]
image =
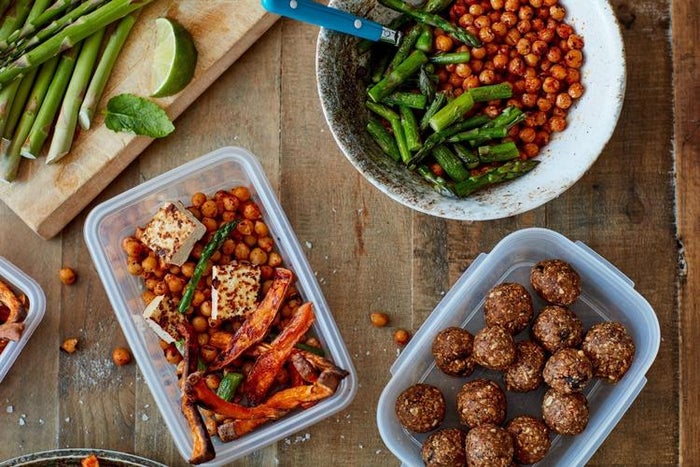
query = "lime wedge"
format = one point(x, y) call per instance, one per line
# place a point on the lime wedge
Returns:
point(174, 60)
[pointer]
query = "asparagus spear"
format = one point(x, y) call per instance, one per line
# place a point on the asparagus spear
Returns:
point(395, 122)
point(9, 162)
point(450, 58)
point(104, 69)
point(452, 164)
point(453, 111)
point(441, 136)
point(508, 171)
point(34, 22)
point(438, 183)
point(410, 128)
point(435, 105)
point(405, 48)
point(498, 152)
point(68, 116)
point(52, 100)
point(479, 135)
point(31, 36)
point(7, 96)
point(398, 75)
point(383, 138)
point(23, 90)
point(16, 17)
point(413, 100)
point(432, 19)
point(491, 92)
point(69, 36)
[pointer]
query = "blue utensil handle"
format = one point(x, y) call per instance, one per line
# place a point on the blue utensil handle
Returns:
point(318, 14)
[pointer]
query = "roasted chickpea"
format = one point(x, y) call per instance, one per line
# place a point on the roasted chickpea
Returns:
point(121, 356)
point(198, 199)
point(443, 43)
point(242, 193)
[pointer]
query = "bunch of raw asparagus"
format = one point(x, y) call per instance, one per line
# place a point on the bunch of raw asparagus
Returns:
point(412, 122)
point(55, 59)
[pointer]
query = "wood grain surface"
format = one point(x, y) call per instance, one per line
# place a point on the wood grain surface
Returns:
point(47, 197)
point(370, 254)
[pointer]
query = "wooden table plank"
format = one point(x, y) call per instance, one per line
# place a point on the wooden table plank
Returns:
point(685, 21)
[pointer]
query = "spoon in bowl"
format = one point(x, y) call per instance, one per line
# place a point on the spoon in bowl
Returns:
point(311, 12)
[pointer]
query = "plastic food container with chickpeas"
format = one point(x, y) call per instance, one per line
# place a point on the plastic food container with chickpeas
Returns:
point(606, 295)
point(108, 223)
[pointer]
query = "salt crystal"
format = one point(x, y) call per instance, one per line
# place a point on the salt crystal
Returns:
point(9, 409)
point(144, 417)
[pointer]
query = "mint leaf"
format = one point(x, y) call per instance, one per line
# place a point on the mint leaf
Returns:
point(130, 113)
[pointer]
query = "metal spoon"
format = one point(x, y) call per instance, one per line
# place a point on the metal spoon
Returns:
point(318, 14)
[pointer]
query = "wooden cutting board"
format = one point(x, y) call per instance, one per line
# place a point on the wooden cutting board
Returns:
point(47, 197)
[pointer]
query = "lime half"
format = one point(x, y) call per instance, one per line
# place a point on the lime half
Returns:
point(175, 58)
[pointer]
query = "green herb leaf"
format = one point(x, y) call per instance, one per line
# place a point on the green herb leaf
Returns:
point(130, 113)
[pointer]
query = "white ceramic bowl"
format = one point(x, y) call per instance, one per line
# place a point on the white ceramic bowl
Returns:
point(563, 161)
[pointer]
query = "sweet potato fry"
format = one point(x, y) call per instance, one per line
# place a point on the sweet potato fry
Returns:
point(16, 309)
point(198, 391)
point(203, 448)
point(256, 326)
point(11, 331)
point(267, 365)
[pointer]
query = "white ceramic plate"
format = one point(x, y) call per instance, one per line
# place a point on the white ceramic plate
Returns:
point(565, 159)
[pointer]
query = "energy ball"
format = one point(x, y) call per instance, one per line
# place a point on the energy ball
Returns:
point(610, 348)
point(508, 305)
point(557, 327)
point(530, 438)
point(420, 408)
point(566, 414)
point(556, 281)
point(568, 370)
point(452, 350)
point(489, 446)
point(494, 348)
point(480, 402)
point(525, 374)
point(445, 448)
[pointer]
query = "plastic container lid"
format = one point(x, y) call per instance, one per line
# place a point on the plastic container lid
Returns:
point(22, 283)
point(607, 295)
point(108, 223)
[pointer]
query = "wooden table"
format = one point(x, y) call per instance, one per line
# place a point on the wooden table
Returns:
point(637, 207)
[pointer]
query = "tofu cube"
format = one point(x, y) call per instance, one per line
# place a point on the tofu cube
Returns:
point(162, 316)
point(172, 233)
point(235, 289)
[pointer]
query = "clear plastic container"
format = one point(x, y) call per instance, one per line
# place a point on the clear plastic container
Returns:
point(607, 295)
point(21, 283)
point(111, 221)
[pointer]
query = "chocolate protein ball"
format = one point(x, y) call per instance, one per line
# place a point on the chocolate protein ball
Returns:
point(611, 350)
point(566, 414)
point(568, 370)
point(452, 349)
point(556, 281)
point(494, 348)
point(525, 374)
point(420, 408)
point(508, 305)
point(530, 438)
point(481, 401)
point(445, 448)
point(489, 446)
point(557, 327)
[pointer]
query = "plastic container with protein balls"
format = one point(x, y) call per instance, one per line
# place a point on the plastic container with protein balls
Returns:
point(108, 223)
point(607, 295)
point(21, 283)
